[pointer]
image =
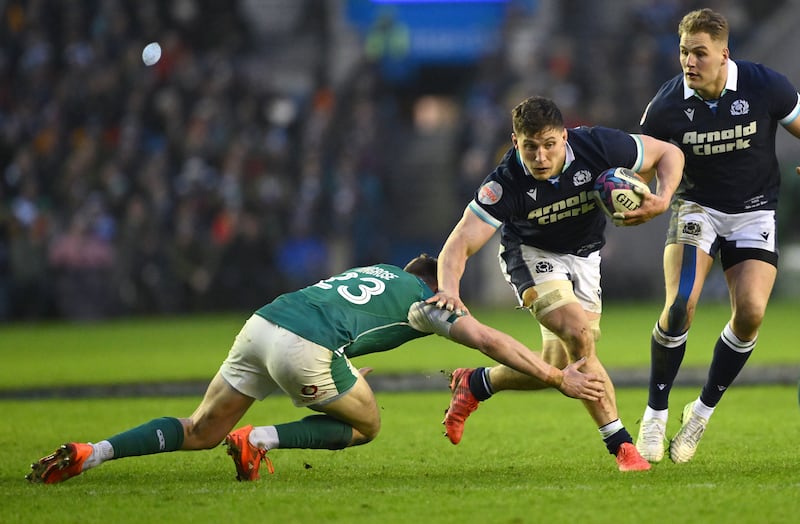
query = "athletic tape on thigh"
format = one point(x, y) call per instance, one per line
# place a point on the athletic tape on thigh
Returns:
point(547, 296)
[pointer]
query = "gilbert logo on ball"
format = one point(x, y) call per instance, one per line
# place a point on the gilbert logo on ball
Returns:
point(614, 190)
point(151, 53)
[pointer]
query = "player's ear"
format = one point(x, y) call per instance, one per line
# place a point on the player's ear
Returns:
point(514, 140)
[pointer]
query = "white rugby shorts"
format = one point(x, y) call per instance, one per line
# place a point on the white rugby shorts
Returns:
point(265, 357)
point(528, 266)
point(736, 236)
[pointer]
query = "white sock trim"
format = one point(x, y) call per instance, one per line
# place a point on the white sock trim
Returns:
point(264, 437)
point(658, 414)
point(669, 341)
point(735, 343)
point(101, 452)
point(702, 410)
point(610, 428)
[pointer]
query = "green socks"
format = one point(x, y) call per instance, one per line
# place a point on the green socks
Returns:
point(157, 436)
point(315, 432)
point(165, 434)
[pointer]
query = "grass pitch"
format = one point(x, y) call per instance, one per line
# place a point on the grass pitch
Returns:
point(192, 348)
point(525, 458)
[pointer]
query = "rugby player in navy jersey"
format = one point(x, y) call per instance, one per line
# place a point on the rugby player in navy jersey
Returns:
point(551, 235)
point(723, 114)
point(302, 343)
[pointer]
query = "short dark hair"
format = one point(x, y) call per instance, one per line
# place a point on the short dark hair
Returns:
point(705, 21)
point(425, 267)
point(536, 114)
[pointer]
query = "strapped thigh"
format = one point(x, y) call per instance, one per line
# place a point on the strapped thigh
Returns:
point(543, 298)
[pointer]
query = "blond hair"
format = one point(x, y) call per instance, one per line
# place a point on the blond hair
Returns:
point(705, 21)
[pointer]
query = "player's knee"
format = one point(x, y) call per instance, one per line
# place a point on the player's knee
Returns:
point(365, 428)
point(579, 341)
point(366, 432)
point(748, 318)
point(198, 435)
point(554, 354)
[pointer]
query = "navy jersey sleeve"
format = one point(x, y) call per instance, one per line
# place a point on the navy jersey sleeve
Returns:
point(783, 96)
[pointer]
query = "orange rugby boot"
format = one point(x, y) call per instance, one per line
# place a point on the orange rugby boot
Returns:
point(246, 457)
point(62, 464)
point(462, 404)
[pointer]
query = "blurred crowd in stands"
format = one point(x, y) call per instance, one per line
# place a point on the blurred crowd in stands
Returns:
point(248, 161)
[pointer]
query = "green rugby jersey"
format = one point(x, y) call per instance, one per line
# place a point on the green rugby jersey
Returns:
point(362, 310)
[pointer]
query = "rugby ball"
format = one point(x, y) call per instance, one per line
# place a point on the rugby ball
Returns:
point(614, 190)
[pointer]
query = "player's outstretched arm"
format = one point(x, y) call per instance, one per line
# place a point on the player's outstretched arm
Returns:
point(507, 350)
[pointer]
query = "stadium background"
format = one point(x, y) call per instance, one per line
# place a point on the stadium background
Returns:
point(278, 141)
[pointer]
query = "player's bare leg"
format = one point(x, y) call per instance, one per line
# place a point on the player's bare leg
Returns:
point(351, 420)
point(555, 353)
point(221, 408)
point(750, 283)
point(359, 409)
point(573, 327)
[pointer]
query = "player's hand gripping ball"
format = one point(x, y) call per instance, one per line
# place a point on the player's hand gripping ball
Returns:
point(619, 189)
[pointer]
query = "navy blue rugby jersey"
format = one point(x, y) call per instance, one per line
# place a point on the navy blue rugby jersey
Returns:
point(730, 152)
point(559, 214)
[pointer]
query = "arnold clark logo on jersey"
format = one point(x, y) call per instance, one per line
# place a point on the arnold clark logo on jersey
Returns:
point(573, 206)
point(724, 141)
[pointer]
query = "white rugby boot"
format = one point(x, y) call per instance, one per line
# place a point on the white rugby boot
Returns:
point(684, 443)
point(650, 442)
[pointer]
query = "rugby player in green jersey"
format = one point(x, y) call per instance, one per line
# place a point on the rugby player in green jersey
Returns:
point(302, 343)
